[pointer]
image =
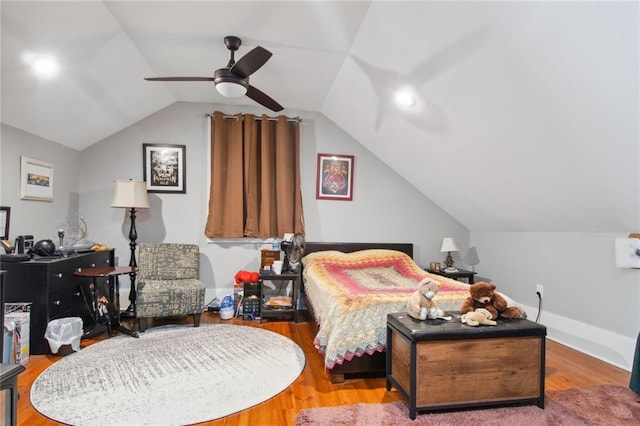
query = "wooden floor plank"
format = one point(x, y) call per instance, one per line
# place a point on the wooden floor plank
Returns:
point(565, 369)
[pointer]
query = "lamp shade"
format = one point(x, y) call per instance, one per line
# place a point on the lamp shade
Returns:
point(448, 245)
point(472, 257)
point(130, 194)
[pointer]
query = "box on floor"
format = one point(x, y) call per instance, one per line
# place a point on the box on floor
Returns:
point(17, 323)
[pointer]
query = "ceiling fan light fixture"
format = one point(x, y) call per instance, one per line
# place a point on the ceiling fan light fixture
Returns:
point(231, 89)
point(232, 81)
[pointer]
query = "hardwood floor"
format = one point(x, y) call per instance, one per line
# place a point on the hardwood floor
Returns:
point(565, 368)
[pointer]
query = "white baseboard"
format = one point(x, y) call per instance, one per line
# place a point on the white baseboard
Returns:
point(599, 343)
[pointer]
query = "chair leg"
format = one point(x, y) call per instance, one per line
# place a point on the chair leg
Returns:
point(142, 324)
point(196, 319)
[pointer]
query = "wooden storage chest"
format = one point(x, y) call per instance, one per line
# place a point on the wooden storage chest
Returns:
point(438, 364)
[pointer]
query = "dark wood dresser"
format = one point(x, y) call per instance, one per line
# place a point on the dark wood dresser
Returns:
point(50, 285)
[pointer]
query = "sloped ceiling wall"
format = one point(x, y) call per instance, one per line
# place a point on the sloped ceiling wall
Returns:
point(105, 48)
point(527, 113)
point(526, 117)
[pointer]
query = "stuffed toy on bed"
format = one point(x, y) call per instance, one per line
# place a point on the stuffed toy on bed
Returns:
point(421, 304)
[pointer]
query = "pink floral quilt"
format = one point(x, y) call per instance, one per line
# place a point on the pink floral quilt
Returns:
point(352, 293)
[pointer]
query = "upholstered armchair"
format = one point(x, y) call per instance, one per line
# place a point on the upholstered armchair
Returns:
point(168, 283)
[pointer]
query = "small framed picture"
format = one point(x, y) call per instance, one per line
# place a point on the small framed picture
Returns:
point(334, 179)
point(36, 180)
point(165, 167)
point(5, 216)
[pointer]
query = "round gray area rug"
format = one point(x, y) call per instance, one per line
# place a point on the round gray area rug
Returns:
point(171, 375)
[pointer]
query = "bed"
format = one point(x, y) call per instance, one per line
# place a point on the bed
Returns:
point(349, 289)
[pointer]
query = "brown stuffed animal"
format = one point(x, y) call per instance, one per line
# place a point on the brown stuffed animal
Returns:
point(484, 296)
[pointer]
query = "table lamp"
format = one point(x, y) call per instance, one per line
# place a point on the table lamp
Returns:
point(131, 194)
point(448, 245)
point(472, 258)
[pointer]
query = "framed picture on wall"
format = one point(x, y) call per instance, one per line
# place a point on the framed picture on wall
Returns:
point(36, 179)
point(5, 216)
point(165, 167)
point(334, 179)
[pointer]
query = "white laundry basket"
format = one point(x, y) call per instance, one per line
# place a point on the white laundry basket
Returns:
point(64, 331)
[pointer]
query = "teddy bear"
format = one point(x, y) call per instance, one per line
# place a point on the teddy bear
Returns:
point(421, 304)
point(477, 317)
point(483, 295)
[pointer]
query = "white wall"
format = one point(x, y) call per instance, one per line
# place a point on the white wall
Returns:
point(38, 218)
point(588, 303)
point(384, 207)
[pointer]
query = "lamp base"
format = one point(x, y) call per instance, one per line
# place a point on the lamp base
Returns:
point(449, 261)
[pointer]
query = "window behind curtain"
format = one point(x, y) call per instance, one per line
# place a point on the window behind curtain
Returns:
point(255, 177)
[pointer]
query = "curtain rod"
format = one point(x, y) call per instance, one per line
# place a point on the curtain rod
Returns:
point(292, 119)
point(241, 241)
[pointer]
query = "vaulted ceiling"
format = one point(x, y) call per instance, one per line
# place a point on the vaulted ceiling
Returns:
point(526, 114)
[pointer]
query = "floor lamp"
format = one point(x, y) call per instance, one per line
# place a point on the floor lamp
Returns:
point(132, 195)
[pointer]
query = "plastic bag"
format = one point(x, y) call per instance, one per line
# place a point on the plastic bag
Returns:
point(64, 331)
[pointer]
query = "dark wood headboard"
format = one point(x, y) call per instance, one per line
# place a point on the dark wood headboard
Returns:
point(311, 247)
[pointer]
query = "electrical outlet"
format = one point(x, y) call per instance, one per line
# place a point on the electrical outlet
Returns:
point(540, 290)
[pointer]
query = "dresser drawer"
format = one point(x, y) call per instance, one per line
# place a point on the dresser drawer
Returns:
point(64, 300)
point(63, 270)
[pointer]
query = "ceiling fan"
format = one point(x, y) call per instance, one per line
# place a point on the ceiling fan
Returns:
point(232, 81)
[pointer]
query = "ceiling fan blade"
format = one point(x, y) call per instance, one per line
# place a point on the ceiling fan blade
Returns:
point(179, 78)
point(251, 62)
point(263, 99)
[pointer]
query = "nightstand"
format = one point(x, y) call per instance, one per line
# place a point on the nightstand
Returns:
point(281, 301)
point(461, 274)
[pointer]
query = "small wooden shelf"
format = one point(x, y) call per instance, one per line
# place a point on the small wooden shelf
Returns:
point(267, 257)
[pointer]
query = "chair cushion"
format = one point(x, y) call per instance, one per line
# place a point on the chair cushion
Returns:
point(168, 261)
point(162, 298)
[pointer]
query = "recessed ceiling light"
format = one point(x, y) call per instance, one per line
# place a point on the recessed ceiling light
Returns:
point(405, 98)
point(44, 66)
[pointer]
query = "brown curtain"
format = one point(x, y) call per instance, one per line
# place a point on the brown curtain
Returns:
point(255, 177)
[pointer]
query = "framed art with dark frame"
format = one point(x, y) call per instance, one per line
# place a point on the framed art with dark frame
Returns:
point(5, 216)
point(165, 168)
point(334, 180)
point(36, 180)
